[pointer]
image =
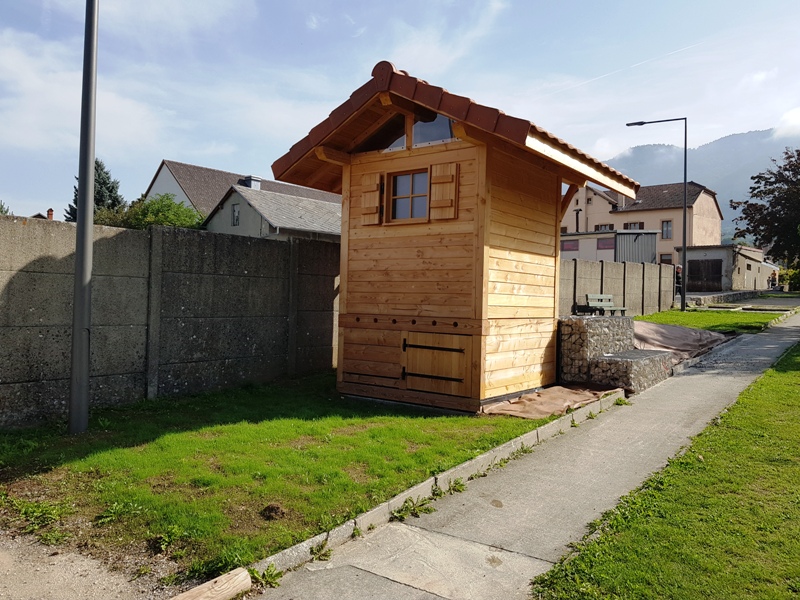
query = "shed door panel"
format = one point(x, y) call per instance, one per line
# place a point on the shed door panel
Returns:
point(437, 362)
point(704, 275)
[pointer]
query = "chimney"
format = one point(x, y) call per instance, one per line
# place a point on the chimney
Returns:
point(49, 214)
point(252, 182)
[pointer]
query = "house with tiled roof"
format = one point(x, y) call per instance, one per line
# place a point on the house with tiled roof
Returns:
point(450, 240)
point(263, 213)
point(656, 207)
point(202, 188)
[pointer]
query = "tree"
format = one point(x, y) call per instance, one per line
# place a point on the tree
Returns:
point(4, 210)
point(106, 192)
point(158, 210)
point(772, 215)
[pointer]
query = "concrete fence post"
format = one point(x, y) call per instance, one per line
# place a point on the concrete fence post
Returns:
point(294, 286)
point(154, 309)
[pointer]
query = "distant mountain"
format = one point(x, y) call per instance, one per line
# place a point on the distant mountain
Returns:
point(724, 165)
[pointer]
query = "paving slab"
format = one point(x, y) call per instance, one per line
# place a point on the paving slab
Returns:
point(489, 541)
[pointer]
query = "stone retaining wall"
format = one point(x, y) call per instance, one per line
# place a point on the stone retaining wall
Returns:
point(600, 350)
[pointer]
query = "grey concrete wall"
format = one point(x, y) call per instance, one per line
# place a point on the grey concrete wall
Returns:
point(173, 312)
point(36, 293)
point(643, 288)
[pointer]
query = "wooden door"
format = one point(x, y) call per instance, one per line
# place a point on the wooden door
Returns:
point(437, 362)
point(704, 275)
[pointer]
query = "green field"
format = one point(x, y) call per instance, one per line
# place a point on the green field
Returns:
point(222, 480)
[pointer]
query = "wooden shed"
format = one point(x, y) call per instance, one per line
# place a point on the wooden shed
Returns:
point(451, 213)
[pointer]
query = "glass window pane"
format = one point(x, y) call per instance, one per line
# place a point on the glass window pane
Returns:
point(419, 207)
point(401, 185)
point(420, 183)
point(391, 135)
point(401, 208)
point(438, 130)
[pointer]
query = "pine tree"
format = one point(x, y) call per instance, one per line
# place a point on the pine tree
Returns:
point(4, 210)
point(106, 192)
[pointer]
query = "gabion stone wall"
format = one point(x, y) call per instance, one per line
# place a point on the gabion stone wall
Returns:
point(632, 370)
point(601, 350)
point(584, 338)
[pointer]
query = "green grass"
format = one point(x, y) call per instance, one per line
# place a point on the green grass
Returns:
point(721, 521)
point(714, 320)
point(222, 480)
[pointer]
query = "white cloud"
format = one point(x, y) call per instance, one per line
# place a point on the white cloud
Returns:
point(40, 104)
point(789, 125)
point(161, 22)
point(436, 46)
point(313, 21)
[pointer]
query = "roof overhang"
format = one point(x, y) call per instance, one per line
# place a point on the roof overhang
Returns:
point(316, 160)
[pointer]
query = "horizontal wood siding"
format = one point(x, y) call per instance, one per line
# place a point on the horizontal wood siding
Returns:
point(414, 269)
point(520, 350)
point(520, 355)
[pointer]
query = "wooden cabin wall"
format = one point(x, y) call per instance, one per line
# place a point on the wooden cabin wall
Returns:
point(408, 279)
point(520, 345)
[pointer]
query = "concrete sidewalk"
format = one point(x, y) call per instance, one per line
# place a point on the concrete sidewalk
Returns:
point(489, 541)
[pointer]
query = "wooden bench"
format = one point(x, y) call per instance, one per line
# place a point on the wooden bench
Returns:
point(599, 304)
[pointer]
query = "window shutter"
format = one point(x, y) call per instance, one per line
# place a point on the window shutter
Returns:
point(444, 191)
point(371, 199)
point(641, 224)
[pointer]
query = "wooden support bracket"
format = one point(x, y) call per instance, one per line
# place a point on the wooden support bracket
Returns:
point(571, 191)
point(330, 155)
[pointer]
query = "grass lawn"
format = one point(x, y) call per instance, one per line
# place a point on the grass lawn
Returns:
point(714, 320)
point(221, 480)
point(721, 521)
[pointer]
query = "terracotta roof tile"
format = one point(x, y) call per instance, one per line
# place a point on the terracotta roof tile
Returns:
point(483, 117)
point(455, 107)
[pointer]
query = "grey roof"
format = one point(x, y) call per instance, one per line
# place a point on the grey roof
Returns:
point(667, 195)
point(293, 212)
point(205, 187)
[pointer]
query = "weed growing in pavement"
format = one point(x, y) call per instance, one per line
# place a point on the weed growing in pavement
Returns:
point(269, 577)
point(321, 551)
point(456, 486)
point(412, 508)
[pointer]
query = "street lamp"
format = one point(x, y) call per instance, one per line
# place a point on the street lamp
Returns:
point(684, 273)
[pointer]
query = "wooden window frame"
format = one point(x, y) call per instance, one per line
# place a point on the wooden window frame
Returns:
point(389, 198)
point(666, 222)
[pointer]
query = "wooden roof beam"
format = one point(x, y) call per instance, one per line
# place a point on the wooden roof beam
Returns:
point(571, 191)
point(330, 155)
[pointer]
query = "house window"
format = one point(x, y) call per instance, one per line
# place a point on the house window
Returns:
point(666, 230)
point(665, 259)
point(606, 243)
point(234, 215)
point(563, 230)
point(634, 225)
point(604, 227)
point(409, 199)
point(749, 267)
point(570, 245)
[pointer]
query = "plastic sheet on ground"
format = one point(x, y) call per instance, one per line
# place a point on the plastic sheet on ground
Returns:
point(555, 400)
point(683, 342)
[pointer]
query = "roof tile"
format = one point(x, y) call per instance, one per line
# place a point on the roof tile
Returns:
point(483, 117)
point(512, 128)
point(455, 107)
point(428, 95)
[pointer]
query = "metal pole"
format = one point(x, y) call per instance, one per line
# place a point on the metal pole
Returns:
point(82, 302)
point(684, 272)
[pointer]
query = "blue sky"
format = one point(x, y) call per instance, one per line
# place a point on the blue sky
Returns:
point(232, 84)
